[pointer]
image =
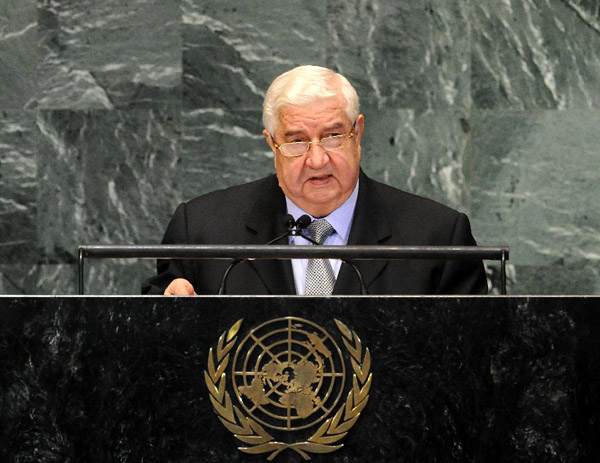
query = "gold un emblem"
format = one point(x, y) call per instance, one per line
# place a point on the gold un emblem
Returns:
point(288, 377)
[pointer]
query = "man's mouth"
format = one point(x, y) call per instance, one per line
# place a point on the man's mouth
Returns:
point(320, 178)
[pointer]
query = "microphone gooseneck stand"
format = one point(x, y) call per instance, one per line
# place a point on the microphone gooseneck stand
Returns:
point(306, 222)
point(294, 228)
point(363, 288)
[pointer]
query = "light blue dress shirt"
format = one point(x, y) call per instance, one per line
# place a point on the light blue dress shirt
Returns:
point(340, 220)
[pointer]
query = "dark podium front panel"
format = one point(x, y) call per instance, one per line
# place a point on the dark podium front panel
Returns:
point(393, 379)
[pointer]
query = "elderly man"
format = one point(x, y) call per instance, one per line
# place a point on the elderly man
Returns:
point(314, 128)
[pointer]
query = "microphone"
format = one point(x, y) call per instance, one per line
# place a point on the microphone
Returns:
point(304, 222)
point(293, 228)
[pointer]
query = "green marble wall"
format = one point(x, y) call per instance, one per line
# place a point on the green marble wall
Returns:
point(113, 111)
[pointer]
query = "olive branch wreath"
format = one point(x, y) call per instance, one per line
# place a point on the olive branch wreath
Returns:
point(254, 435)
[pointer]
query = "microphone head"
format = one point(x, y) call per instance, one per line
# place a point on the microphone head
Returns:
point(289, 221)
point(303, 222)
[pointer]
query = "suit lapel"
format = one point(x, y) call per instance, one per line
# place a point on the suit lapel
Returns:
point(370, 226)
point(263, 223)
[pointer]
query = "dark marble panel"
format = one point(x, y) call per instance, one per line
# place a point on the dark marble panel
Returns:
point(558, 277)
point(465, 380)
point(109, 54)
point(536, 180)
point(106, 177)
point(14, 279)
point(420, 152)
point(18, 186)
point(579, 278)
point(531, 54)
point(233, 50)
point(18, 58)
point(103, 277)
point(55, 279)
point(116, 276)
point(221, 149)
point(407, 54)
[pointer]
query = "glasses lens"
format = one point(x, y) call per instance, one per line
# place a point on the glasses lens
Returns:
point(331, 143)
point(293, 149)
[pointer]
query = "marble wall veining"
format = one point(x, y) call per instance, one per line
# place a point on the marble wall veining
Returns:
point(114, 111)
point(531, 54)
point(536, 180)
point(108, 54)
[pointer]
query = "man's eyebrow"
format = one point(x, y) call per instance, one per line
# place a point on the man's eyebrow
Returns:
point(289, 133)
point(327, 128)
point(336, 125)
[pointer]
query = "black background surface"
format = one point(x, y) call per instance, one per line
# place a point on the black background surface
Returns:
point(472, 379)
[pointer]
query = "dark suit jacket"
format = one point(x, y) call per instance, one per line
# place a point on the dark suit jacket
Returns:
point(252, 214)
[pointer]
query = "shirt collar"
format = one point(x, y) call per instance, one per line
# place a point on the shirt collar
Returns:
point(340, 219)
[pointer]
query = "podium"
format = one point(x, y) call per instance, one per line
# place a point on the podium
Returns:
point(452, 379)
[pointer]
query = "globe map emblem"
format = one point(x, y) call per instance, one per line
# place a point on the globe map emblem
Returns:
point(288, 373)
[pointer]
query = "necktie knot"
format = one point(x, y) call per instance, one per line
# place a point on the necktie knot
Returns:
point(319, 230)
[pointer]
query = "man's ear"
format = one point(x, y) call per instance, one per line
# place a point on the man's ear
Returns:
point(269, 139)
point(271, 144)
point(360, 127)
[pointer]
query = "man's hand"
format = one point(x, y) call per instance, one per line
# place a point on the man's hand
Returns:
point(180, 287)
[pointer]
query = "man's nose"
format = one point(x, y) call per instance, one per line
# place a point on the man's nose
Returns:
point(316, 156)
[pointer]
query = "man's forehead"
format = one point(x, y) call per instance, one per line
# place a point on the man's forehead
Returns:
point(326, 113)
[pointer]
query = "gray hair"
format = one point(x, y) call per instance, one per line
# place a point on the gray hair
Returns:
point(305, 84)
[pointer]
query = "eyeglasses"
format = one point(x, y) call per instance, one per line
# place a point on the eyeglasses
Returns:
point(300, 148)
